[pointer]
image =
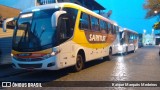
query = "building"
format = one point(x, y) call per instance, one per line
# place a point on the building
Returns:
point(157, 39)
point(140, 38)
point(149, 39)
point(18, 5)
point(91, 4)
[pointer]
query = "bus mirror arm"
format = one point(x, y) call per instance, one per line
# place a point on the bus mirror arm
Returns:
point(6, 21)
point(55, 17)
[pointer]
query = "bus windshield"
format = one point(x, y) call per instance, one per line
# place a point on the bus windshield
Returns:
point(34, 31)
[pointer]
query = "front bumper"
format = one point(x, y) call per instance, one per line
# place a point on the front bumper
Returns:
point(46, 64)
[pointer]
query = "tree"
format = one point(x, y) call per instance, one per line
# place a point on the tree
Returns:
point(152, 7)
point(156, 26)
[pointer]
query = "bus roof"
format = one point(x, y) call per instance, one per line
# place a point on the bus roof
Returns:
point(125, 29)
point(61, 5)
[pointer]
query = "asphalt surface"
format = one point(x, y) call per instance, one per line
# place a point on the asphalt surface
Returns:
point(143, 65)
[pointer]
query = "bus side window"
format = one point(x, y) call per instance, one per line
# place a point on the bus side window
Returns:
point(103, 26)
point(109, 28)
point(136, 36)
point(84, 22)
point(117, 29)
point(106, 27)
point(64, 27)
point(95, 24)
point(66, 24)
point(112, 28)
point(72, 14)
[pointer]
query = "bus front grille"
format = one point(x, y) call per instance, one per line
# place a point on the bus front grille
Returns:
point(30, 65)
point(28, 59)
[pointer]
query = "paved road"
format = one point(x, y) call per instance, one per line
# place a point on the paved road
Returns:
point(144, 65)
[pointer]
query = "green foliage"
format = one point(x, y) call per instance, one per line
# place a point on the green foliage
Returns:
point(156, 26)
point(151, 6)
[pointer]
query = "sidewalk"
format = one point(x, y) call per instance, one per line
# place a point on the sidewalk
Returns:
point(5, 46)
point(5, 59)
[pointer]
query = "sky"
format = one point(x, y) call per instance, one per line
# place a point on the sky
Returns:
point(129, 14)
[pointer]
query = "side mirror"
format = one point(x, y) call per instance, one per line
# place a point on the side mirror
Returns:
point(122, 35)
point(6, 21)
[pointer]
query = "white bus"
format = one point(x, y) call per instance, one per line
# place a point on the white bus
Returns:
point(128, 41)
point(55, 36)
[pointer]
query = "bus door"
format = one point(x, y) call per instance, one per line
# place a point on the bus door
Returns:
point(64, 33)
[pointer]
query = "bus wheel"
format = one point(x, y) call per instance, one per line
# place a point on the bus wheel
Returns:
point(134, 49)
point(110, 54)
point(109, 57)
point(79, 63)
point(126, 51)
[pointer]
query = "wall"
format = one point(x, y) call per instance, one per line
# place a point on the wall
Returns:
point(18, 4)
point(5, 46)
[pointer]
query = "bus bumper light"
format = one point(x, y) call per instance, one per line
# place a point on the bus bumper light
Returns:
point(120, 48)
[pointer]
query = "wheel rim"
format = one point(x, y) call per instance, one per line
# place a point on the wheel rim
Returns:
point(79, 63)
point(126, 50)
point(110, 53)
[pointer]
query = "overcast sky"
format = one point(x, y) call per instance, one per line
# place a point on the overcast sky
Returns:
point(129, 14)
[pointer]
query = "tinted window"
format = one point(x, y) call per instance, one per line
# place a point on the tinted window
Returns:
point(103, 25)
point(95, 24)
point(117, 29)
point(72, 14)
point(114, 29)
point(84, 22)
point(109, 28)
point(66, 24)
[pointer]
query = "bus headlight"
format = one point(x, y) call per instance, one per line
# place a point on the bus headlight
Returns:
point(12, 55)
point(46, 56)
point(120, 48)
point(54, 53)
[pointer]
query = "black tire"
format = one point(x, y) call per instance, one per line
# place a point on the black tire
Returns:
point(126, 52)
point(134, 49)
point(79, 63)
point(109, 57)
point(110, 54)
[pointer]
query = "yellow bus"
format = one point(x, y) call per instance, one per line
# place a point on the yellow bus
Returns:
point(56, 36)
